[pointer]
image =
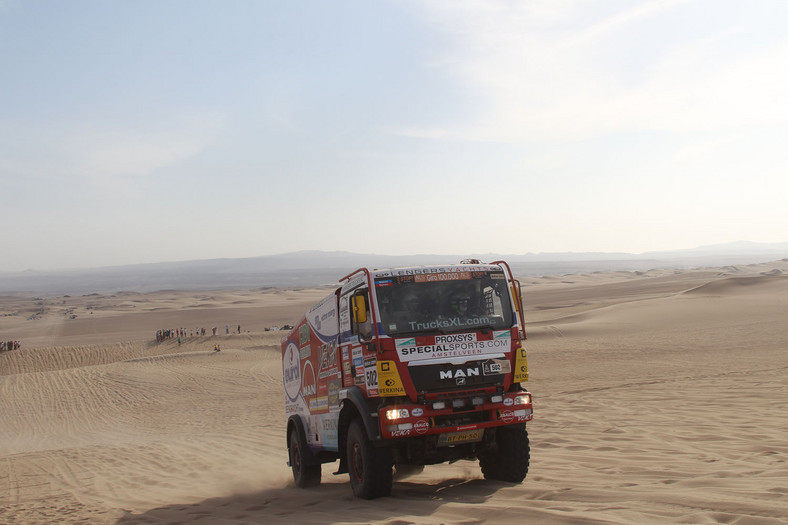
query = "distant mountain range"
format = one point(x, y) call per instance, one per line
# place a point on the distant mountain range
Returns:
point(315, 268)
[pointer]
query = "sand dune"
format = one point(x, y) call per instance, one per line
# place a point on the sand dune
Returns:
point(659, 398)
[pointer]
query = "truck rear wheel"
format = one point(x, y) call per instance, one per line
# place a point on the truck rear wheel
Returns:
point(369, 466)
point(304, 474)
point(509, 460)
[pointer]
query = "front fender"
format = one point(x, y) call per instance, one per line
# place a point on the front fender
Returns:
point(357, 404)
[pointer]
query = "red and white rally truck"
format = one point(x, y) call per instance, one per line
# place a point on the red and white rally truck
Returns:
point(406, 367)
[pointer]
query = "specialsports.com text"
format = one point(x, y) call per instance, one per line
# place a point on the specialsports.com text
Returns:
point(456, 348)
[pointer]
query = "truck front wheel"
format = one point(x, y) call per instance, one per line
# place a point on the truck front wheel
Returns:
point(509, 459)
point(304, 474)
point(369, 467)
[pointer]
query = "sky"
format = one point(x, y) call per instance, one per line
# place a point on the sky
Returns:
point(148, 131)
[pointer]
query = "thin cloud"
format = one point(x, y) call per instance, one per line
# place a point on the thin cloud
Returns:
point(97, 158)
point(620, 20)
point(534, 77)
point(129, 154)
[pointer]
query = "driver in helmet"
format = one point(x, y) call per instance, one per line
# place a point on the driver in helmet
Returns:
point(461, 305)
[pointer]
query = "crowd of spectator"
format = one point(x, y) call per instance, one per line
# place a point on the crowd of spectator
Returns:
point(181, 333)
point(7, 346)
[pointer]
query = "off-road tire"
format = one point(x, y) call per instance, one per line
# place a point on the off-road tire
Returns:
point(509, 459)
point(304, 474)
point(369, 466)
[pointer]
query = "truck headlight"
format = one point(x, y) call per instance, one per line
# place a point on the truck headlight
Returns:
point(397, 413)
point(523, 399)
point(438, 405)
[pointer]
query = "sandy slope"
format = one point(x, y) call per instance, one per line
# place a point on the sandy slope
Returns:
point(660, 397)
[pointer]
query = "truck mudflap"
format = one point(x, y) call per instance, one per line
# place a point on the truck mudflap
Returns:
point(295, 424)
point(462, 419)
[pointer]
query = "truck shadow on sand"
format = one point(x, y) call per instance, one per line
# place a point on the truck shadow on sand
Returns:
point(328, 503)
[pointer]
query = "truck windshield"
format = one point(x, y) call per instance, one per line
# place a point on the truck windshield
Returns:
point(443, 302)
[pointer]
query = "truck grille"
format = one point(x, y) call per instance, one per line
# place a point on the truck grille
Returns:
point(445, 377)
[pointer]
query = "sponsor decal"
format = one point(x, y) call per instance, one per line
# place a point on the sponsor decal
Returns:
point(318, 404)
point(328, 355)
point(322, 320)
point(400, 433)
point(450, 323)
point(412, 352)
point(333, 387)
point(347, 379)
point(466, 427)
point(421, 426)
point(416, 412)
point(389, 382)
point(330, 431)
point(344, 315)
point(371, 375)
point(291, 371)
point(305, 351)
point(441, 269)
point(303, 334)
point(508, 401)
point(308, 380)
point(496, 366)
point(521, 365)
point(405, 343)
point(454, 338)
point(329, 373)
point(507, 416)
point(448, 276)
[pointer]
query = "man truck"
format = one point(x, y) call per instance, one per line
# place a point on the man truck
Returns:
point(406, 367)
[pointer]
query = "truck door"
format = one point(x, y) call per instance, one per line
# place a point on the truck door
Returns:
point(356, 329)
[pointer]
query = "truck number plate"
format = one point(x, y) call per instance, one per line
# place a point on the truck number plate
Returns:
point(467, 436)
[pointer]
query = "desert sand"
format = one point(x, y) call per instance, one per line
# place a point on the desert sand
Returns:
point(659, 397)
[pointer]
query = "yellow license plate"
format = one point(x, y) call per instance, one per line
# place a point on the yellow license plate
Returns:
point(466, 436)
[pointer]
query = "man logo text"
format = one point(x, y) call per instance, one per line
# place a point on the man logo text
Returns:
point(454, 374)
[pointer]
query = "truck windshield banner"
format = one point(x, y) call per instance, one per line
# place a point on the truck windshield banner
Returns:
point(453, 345)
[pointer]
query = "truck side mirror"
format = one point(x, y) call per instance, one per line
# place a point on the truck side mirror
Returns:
point(359, 309)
